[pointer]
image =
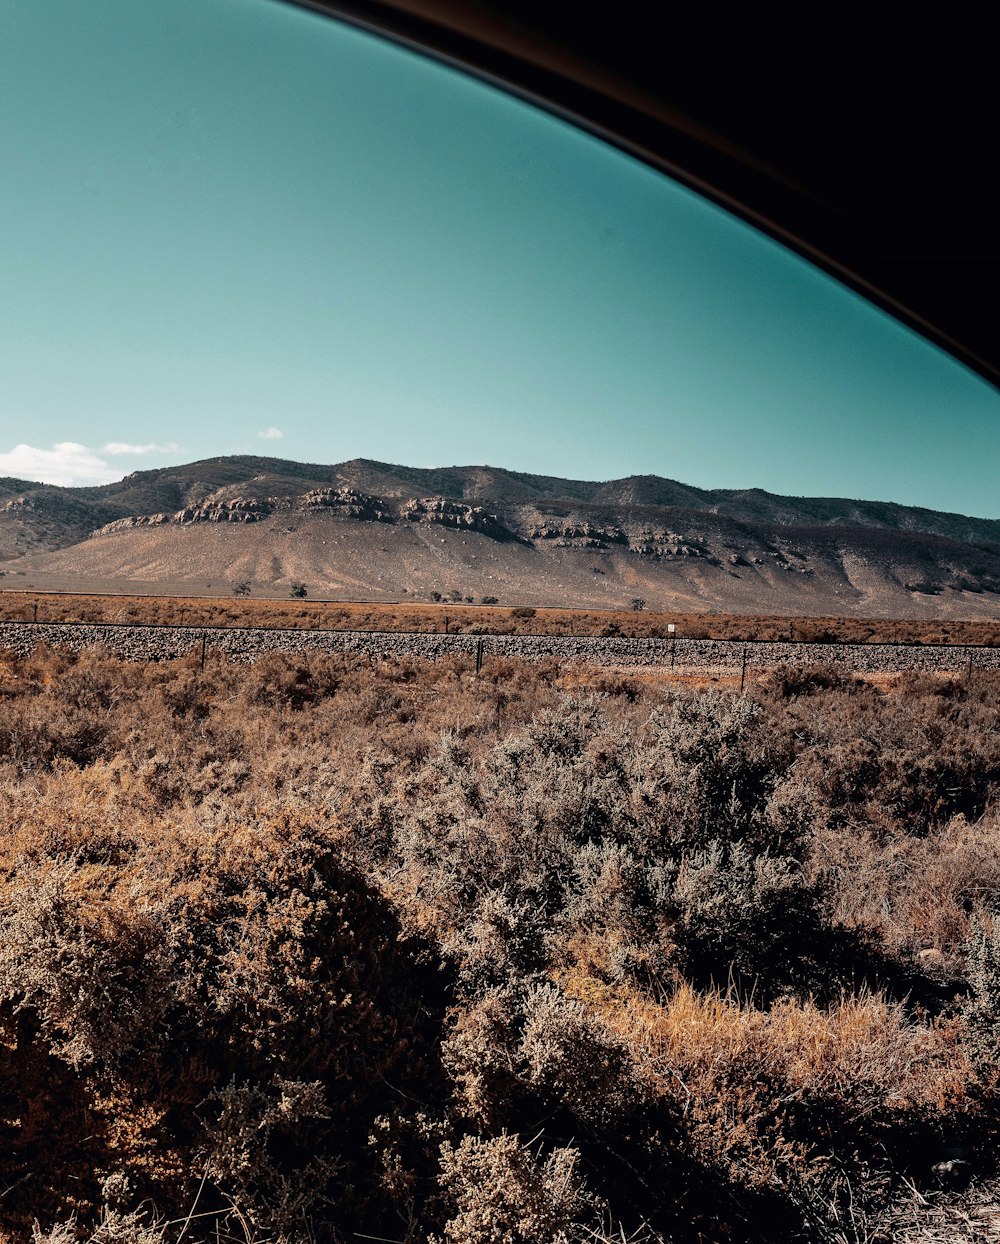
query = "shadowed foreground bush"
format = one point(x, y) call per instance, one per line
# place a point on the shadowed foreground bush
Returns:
point(224, 1009)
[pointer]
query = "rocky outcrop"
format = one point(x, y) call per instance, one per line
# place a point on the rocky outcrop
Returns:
point(580, 535)
point(133, 521)
point(349, 503)
point(650, 543)
point(796, 563)
point(456, 514)
point(238, 510)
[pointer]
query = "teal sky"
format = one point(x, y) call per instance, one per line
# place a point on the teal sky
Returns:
point(230, 226)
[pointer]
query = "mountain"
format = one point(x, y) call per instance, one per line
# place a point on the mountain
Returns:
point(366, 529)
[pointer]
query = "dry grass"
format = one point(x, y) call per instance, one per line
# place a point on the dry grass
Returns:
point(745, 1080)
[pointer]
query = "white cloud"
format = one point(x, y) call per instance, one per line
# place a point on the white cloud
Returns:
point(123, 447)
point(66, 463)
point(271, 434)
point(71, 464)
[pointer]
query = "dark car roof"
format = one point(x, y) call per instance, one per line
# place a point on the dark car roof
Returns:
point(868, 146)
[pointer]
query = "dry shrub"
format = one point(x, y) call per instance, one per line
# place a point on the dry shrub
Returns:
point(478, 1054)
point(982, 1010)
point(575, 1059)
point(287, 929)
point(903, 763)
point(788, 682)
point(113, 1228)
point(85, 951)
point(292, 681)
point(499, 1190)
point(920, 894)
point(253, 1129)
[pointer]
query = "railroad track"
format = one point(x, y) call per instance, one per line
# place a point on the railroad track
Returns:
point(152, 642)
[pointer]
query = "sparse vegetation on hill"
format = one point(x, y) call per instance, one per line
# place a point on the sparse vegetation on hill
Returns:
point(309, 950)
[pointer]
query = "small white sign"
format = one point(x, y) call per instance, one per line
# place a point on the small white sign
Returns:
point(671, 628)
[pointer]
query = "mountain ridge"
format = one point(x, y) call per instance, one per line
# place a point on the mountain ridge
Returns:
point(370, 527)
point(467, 482)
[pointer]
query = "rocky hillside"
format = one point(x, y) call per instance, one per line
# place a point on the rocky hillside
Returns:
point(370, 529)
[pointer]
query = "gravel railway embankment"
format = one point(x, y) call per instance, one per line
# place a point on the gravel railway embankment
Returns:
point(705, 656)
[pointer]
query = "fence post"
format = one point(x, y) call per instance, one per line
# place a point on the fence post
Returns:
point(743, 674)
point(204, 641)
point(479, 657)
